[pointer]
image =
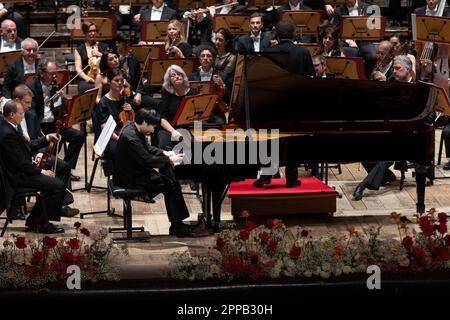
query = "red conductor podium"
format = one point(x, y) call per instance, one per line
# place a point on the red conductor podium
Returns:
point(312, 196)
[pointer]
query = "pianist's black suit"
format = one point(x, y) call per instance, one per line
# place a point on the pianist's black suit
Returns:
point(133, 167)
point(17, 158)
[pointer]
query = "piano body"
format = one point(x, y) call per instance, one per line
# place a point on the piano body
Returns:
point(321, 120)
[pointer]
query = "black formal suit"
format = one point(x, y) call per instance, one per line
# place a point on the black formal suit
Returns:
point(14, 76)
point(167, 13)
point(38, 141)
point(22, 172)
point(17, 43)
point(299, 60)
point(134, 167)
point(16, 16)
point(423, 10)
point(244, 43)
point(6, 190)
point(73, 136)
point(134, 71)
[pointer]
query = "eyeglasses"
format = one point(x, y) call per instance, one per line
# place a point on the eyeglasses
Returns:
point(176, 75)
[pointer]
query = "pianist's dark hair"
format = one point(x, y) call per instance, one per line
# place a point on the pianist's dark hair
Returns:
point(150, 116)
point(285, 30)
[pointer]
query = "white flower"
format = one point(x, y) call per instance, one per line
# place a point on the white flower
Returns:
point(307, 274)
point(346, 269)
point(324, 274)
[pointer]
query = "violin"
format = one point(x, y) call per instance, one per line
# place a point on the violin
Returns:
point(126, 115)
point(46, 155)
point(92, 73)
point(221, 106)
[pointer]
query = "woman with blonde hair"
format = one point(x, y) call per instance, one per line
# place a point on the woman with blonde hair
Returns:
point(176, 45)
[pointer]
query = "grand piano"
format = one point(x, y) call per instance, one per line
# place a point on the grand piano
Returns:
point(319, 120)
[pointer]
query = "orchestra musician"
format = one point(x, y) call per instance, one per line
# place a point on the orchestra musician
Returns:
point(383, 68)
point(129, 64)
point(175, 88)
point(207, 72)
point(22, 172)
point(7, 11)
point(176, 45)
point(134, 167)
point(320, 65)
point(379, 173)
point(112, 103)
point(329, 44)
point(257, 40)
point(88, 54)
point(9, 41)
point(225, 59)
point(49, 111)
point(27, 64)
point(108, 61)
point(32, 132)
point(403, 47)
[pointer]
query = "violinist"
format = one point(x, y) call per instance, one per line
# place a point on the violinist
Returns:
point(383, 68)
point(88, 53)
point(108, 61)
point(129, 64)
point(27, 64)
point(39, 144)
point(112, 103)
point(22, 172)
point(49, 111)
point(206, 72)
point(403, 47)
point(225, 61)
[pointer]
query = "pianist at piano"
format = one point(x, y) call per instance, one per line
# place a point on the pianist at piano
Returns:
point(135, 157)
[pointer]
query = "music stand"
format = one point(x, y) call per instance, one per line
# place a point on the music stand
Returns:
point(362, 28)
point(141, 52)
point(203, 87)
point(236, 23)
point(6, 58)
point(194, 108)
point(306, 22)
point(106, 28)
point(431, 29)
point(193, 4)
point(345, 68)
point(157, 68)
point(79, 111)
point(156, 31)
point(128, 2)
point(335, 2)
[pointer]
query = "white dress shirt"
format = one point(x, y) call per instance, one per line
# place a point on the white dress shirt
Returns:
point(28, 68)
point(156, 13)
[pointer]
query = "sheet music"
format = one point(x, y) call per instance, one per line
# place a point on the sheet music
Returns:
point(105, 135)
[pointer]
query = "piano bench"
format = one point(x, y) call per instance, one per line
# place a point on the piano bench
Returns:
point(127, 195)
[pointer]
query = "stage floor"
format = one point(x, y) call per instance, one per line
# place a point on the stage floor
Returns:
point(150, 259)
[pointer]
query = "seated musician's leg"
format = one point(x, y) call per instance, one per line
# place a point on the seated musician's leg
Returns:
point(76, 139)
point(292, 176)
point(374, 179)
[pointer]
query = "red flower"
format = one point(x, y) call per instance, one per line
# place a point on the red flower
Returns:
point(442, 217)
point(295, 252)
point(244, 234)
point(49, 242)
point(67, 256)
point(244, 214)
point(419, 253)
point(442, 228)
point(74, 243)
point(254, 259)
point(85, 232)
point(21, 243)
point(220, 243)
point(427, 230)
point(447, 240)
point(264, 236)
point(272, 246)
point(250, 225)
point(270, 223)
point(77, 225)
point(304, 233)
point(407, 242)
point(37, 257)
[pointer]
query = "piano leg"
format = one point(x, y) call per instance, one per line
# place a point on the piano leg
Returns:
point(421, 173)
point(213, 192)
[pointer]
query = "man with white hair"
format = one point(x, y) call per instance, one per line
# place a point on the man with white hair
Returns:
point(18, 69)
point(9, 40)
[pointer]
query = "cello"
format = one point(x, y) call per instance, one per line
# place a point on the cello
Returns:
point(434, 59)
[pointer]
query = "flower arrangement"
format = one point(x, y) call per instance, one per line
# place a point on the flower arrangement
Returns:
point(26, 263)
point(273, 250)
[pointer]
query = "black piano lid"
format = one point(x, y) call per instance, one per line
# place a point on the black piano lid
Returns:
point(279, 99)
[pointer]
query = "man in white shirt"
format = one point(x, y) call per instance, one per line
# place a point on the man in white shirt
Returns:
point(257, 40)
point(27, 64)
point(9, 40)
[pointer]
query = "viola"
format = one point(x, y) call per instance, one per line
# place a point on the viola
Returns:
point(126, 115)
